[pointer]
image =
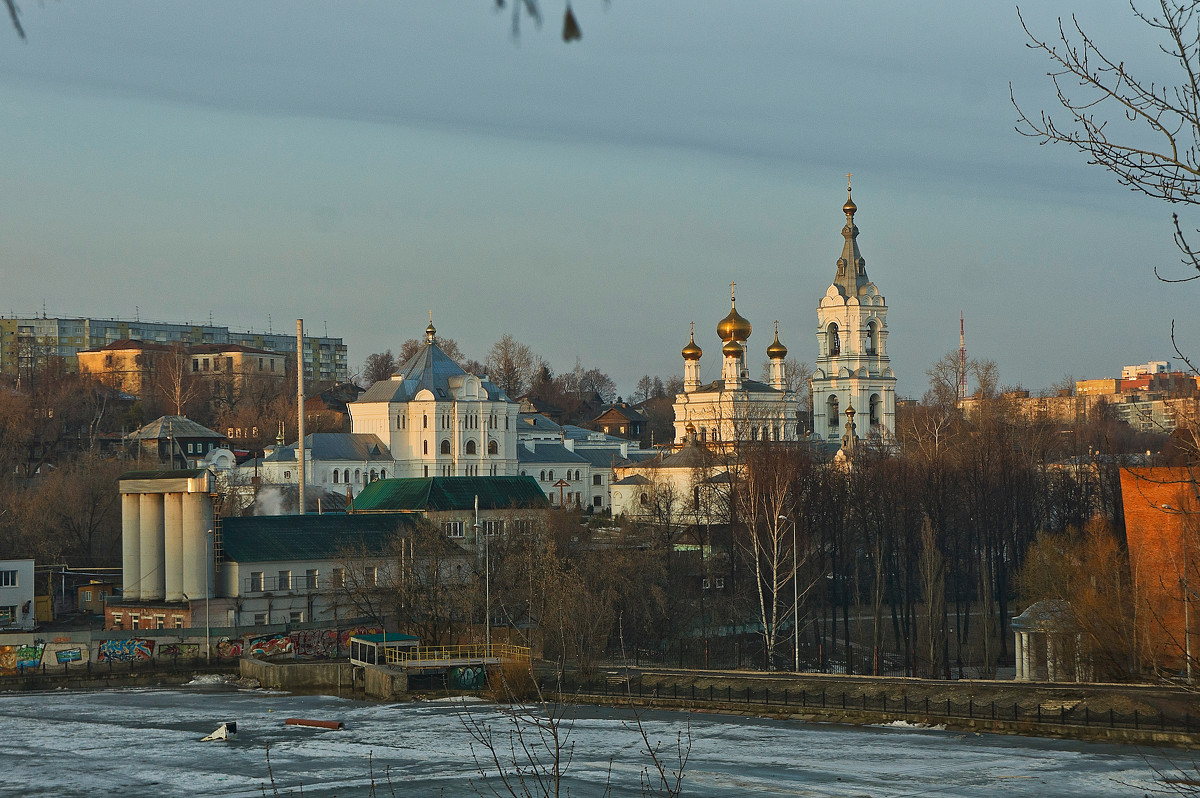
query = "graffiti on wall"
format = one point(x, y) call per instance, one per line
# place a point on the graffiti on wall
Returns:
point(269, 645)
point(133, 649)
point(68, 655)
point(178, 650)
point(326, 643)
point(14, 659)
point(471, 677)
point(229, 648)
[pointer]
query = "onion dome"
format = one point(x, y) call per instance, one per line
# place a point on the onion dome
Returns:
point(849, 208)
point(776, 350)
point(430, 331)
point(731, 349)
point(733, 327)
point(691, 351)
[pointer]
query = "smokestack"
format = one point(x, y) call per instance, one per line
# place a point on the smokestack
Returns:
point(300, 405)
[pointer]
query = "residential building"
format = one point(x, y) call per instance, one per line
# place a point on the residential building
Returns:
point(181, 443)
point(28, 342)
point(139, 367)
point(17, 612)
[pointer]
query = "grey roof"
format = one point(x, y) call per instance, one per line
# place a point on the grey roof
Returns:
point(548, 453)
point(633, 479)
point(851, 276)
point(583, 433)
point(601, 458)
point(284, 538)
point(752, 386)
point(430, 368)
point(537, 422)
point(1050, 615)
point(356, 446)
point(173, 426)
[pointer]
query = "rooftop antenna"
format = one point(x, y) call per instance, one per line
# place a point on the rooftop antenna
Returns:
point(962, 357)
point(269, 330)
point(137, 313)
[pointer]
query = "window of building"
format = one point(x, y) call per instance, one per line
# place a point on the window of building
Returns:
point(338, 578)
point(425, 450)
point(256, 581)
point(272, 364)
point(542, 477)
point(160, 622)
point(370, 576)
point(425, 423)
point(117, 619)
point(550, 475)
point(453, 529)
point(706, 584)
point(260, 364)
point(833, 345)
point(493, 528)
point(260, 619)
point(216, 364)
point(446, 447)
point(346, 476)
point(357, 474)
point(178, 621)
point(383, 473)
point(426, 471)
point(597, 479)
point(335, 476)
point(310, 579)
point(229, 364)
point(374, 475)
point(597, 501)
point(195, 364)
point(205, 364)
point(87, 595)
point(644, 500)
point(470, 447)
point(8, 578)
point(493, 447)
point(134, 620)
point(296, 616)
point(720, 581)
point(287, 474)
point(399, 422)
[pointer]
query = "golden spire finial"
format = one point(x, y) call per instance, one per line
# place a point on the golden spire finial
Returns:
point(776, 328)
point(849, 208)
point(848, 176)
point(733, 292)
point(692, 329)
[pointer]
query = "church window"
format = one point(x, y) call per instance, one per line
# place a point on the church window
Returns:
point(644, 499)
point(576, 475)
point(775, 432)
point(551, 476)
point(365, 480)
point(831, 412)
point(425, 423)
point(398, 421)
point(374, 475)
point(470, 447)
point(493, 448)
point(446, 446)
point(426, 471)
point(357, 474)
point(754, 433)
point(871, 337)
point(876, 408)
point(383, 473)
point(336, 474)
point(543, 477)
point(346, 476)
point(832, 345)
point(424, 447)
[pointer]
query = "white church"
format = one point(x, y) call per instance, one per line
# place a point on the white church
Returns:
point(853, 384)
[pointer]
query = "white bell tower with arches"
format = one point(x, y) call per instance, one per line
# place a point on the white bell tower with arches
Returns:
point(852, 366)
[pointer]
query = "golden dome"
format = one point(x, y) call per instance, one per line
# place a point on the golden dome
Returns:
point(731, 349)
point(734, 327)
point(776, 350)
point(691, 351)
point(849, 208)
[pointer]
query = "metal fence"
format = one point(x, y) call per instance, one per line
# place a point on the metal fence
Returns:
point(881, 703)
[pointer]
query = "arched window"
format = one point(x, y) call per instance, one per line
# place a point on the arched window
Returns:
point(551, 476)
point(831, 412)
point(871, 337)
point(833, 345)
point(493, 447)
point(644, 499)
point(425, 422)
point(522, 471)
point(383, 473)
point(336, 474)
point(470, 447)
point(543, 477)
point(366, 481)
point(398, 421)
point(374, 475)
point(446, 446)
point(577, 475)
point(424, 447)
point(876, 409)
point(754, 433)
point(357, 474)
point(346, 476)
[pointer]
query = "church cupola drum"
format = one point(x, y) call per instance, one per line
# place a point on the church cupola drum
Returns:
point(852, 366)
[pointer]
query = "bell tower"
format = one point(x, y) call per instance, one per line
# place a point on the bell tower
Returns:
point(852, 367)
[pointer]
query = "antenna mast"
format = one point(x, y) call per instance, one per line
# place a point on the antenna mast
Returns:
point(962, 357)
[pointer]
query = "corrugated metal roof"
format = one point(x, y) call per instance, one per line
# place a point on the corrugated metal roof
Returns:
point(183, 473)
point(449, 493)
point(270, 538)
point(173, 426)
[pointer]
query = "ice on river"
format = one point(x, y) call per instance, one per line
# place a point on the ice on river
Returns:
point(146, 743)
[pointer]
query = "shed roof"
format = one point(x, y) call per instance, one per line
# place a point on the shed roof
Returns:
point(281, 538)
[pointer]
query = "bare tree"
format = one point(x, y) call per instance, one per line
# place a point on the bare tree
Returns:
point(511, 365)
point(377, 367)
point(175, 383)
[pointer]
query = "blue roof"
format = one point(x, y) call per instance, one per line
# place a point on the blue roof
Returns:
point(429, 369)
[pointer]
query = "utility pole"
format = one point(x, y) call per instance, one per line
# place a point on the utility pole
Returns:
point(300, 405)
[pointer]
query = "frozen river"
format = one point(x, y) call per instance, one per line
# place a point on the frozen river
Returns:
point(145, 743)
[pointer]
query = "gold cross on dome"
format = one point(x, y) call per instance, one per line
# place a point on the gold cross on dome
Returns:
point(848, 176)
point(733, 292)
point(692, 333)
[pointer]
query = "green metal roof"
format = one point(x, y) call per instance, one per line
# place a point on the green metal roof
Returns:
point(270, 538)
point(449, 493)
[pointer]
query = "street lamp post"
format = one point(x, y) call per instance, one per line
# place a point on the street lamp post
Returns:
point(487, 583)
point(208, 565)
point(795, 600)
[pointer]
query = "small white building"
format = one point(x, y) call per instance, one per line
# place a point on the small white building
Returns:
point(16, 596)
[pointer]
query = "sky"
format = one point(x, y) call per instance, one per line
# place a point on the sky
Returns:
point(359, 165)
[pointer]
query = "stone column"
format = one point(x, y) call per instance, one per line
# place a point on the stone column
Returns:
point(151, 535)
point(131, 558)
point(173, 545)
point(1030, 661)
point(1051, 659)
point(1019, 652)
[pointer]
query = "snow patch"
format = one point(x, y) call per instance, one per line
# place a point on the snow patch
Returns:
point(904, 724)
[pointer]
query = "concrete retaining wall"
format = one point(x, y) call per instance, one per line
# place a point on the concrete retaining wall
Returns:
point(300, 676)
point(384, 683)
